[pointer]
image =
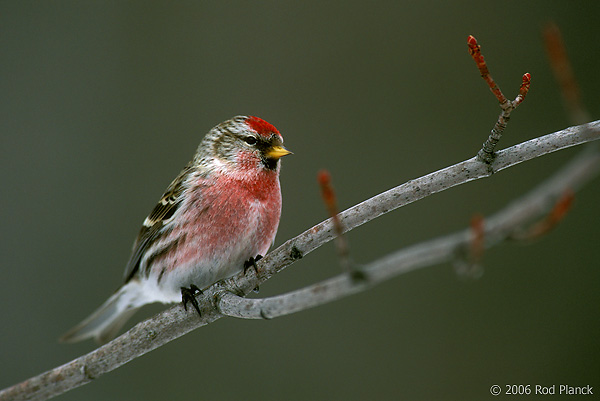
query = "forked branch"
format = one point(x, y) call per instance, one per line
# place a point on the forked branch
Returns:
point(486, 154)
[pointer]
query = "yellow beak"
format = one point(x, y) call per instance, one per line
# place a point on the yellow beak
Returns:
point(276, 152)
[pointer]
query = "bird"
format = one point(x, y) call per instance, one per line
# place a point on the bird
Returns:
point(217, 217)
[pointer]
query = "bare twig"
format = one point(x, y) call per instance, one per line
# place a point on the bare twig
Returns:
point(475, 52)
point(341, 243)
point(467, 261)
point(174, 322)
point(563, 72)
point(486, 154)
point(477, 242)
point(550, 221)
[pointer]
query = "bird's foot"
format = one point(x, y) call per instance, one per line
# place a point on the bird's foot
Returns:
point(189, 295)
point(252, 263)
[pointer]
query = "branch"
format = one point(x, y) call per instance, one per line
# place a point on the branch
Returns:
point(486, 154)
point(175, 322)
point(498, 227)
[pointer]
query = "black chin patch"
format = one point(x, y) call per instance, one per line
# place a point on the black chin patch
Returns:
point(265, 145)
point(269, 163)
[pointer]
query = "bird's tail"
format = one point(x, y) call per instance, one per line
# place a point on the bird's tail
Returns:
point(105, 322)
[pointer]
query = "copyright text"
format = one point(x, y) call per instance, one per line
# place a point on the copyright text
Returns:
point(539, 389)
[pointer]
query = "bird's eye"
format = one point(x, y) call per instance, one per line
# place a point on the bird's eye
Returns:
point(250, 140)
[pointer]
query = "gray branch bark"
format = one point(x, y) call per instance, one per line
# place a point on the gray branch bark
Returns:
point(216, 302)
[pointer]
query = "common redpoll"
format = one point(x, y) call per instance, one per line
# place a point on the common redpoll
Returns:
point(218, 215)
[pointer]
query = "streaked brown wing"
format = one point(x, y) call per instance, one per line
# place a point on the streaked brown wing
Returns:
point(154, 223)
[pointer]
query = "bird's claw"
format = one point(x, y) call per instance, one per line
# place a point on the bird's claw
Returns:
point(189, 295)
point(252, 263)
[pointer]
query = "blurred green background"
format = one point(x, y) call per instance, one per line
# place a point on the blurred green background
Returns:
point(104, 102)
